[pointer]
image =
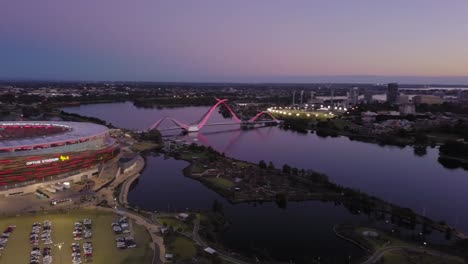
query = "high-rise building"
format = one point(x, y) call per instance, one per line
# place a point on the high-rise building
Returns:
point(392, 93)
point(368, 98)
point(353, 96)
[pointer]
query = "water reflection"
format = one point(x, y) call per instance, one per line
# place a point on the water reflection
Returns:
point(394, 174)
point(302, 231)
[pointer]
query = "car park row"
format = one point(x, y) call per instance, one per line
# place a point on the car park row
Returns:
point(122, 226)
point(46, 237)
point(5, 236)
point(125, 242)
point(34, 236)
point(82, 230)
point(47, 232)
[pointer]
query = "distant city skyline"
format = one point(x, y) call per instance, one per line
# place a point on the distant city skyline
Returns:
point(365, 41)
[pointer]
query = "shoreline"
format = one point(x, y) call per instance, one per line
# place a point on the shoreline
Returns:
point(326, 196)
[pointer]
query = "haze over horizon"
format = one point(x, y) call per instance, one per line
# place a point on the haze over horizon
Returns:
point(242, 41)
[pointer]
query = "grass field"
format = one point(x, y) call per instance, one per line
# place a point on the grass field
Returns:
point(143, 145)
point(18, 248)
point(202, 217)
point(243, 164)
point(193, 155)
point(380, 241)
point(175, 223)
point(182, 247)
point(395, 257)
point(221, 182)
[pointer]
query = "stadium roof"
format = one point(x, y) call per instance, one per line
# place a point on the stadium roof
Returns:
point(76, 131)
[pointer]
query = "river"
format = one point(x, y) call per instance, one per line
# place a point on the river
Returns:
point(303, 230)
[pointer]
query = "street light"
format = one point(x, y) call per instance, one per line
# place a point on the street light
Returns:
point(59, 245)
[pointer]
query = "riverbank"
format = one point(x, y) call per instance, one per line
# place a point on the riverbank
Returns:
point(355, 128)
point(241, 182)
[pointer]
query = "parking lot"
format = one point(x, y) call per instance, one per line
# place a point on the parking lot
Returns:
point(91, 230)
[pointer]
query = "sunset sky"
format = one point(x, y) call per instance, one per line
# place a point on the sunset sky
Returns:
point(239, 41)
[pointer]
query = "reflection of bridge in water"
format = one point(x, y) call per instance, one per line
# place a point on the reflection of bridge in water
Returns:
point(194, 127)
point(234, 136)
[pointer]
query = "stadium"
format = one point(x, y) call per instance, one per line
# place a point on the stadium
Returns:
point(39, 151)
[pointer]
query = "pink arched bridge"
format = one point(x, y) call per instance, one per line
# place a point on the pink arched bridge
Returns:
point(204, 119)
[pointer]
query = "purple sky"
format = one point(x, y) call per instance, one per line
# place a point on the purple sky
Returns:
point(241, 40)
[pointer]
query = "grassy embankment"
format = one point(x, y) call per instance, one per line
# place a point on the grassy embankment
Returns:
point(141, 146)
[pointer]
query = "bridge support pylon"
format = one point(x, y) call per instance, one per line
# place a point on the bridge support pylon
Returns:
point(192, 129)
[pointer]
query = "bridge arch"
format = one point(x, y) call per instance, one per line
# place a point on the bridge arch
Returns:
point(253, 119)
point(175, 121)
point(196, 126)
point(208, 114)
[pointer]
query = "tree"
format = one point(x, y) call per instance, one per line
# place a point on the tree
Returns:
point(448, 233)
point(286, 169)
point(281, 200)
point(152, 135)
point(420, 138)
point(420, 150)
point(454, 148)
point(294, 171)
point(217, 207)
point(262, 164)
point(27, 111)
point(271, 166)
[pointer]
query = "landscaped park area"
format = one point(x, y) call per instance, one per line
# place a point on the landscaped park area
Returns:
point(19, 246)
point(392, 250)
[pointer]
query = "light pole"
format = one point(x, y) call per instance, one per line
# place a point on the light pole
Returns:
point(59, 245)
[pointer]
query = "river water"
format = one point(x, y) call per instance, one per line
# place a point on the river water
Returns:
point(302, 231)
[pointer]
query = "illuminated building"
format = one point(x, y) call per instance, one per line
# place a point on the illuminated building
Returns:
point(39, 151)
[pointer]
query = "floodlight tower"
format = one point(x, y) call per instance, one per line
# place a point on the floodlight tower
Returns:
point(294, 98)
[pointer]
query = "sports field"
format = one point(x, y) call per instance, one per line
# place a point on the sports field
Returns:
point(18, 247)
